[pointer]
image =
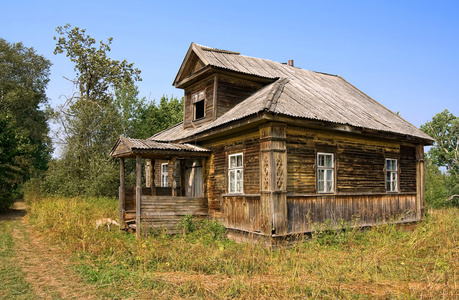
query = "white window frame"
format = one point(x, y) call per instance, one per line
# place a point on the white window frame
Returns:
point(391, 177)
point(328, 184)
point(164, 175)
point(235, 184)
point(196, 98)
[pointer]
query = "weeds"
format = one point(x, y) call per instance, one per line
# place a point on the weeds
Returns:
point(387, 261)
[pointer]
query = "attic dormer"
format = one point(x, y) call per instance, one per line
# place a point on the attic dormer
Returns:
point(210, 88)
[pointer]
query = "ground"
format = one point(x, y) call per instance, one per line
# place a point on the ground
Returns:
point(44, 268)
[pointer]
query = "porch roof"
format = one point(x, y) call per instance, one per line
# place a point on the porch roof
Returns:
point(130, 148)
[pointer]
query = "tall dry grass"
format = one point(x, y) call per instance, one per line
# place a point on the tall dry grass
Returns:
point(388, 261)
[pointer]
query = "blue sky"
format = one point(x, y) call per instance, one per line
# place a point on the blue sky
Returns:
point(403, 54)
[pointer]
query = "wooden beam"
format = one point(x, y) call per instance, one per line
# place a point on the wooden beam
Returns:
point(215, 97)
point(138, 195)
point(204, 177)
point(122, 194)
point(273, 175)
point(420, 183)
point(152, 178)
point(174, 176)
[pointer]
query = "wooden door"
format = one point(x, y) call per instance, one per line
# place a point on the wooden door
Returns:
point(193, 178)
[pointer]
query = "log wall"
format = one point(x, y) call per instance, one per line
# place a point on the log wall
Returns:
point(231, 91)
point(359, 163)
point(217, 164)
point(206, 85)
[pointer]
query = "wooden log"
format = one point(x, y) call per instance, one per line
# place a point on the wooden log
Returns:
point(420, 183)
point(122, 194)
point(138, 194)
point(174, 176)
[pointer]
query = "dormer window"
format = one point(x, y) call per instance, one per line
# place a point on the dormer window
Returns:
point(198, 100)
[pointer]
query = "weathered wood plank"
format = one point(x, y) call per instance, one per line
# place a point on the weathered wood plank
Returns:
point(363, 210)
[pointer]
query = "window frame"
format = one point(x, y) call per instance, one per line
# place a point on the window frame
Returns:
point(324, 169)
point(165, 174)
point(232, 174)
point(391, 185)
point(199, 97)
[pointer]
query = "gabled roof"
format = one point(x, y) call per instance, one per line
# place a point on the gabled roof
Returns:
point(296, 93)
point(127, 147)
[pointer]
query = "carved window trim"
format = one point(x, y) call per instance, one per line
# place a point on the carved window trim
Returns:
point(236, 173)
point(391, 178)
point(164, 175)
point(325, 173)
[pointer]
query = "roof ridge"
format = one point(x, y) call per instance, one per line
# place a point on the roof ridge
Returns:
point(274, 94)
point(205, 48)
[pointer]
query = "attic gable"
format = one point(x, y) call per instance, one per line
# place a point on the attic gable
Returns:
point(191, 64)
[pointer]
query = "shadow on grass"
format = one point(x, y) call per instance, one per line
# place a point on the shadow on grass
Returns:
point(16, 213)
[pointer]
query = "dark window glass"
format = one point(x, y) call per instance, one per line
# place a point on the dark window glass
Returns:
point(199, 110)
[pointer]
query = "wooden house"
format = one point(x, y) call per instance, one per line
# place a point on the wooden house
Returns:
point(269, 149)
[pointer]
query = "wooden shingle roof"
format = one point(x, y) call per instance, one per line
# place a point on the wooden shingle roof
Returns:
point(296, 93)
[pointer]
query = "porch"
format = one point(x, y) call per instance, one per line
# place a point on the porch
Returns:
point(160, 208)
point(163, 211)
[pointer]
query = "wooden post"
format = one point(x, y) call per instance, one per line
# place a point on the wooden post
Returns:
point(204, 176)
point(174, 176)
point(420, 183)
point(273, 174)
point(182, 177)
point(150, 176)
point(122, 195)
point(138, 194)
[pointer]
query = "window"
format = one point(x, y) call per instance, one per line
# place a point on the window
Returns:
point(235, 173)
point(391, 175)
point(164, 175)
point(325, 173)
point(198, 105)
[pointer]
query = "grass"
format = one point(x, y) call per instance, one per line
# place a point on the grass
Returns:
point(13, 284)
point(387, 261)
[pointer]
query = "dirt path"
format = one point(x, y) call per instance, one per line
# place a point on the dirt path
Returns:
point(46, 267)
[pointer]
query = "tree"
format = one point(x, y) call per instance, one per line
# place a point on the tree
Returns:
point(156, 118)
point(444, 128)
point(24, 142)
point(91, 119)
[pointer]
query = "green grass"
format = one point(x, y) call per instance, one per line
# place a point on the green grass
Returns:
point(12, 280)
point(387, 261)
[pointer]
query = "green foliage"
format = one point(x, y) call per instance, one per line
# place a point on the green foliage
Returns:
point(444, 128)
point(202, 230)
point(105, 106)
point(436, 190)
point(24, 143)
point(156, 118)
point(102, 108)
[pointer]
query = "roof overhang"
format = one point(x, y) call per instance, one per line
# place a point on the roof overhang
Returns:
point(261, 117)
point(131, 148)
